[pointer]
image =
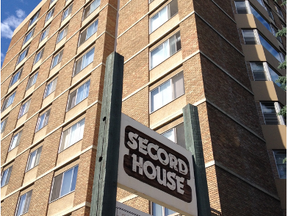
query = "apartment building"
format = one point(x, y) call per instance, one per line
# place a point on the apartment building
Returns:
point(220, 56)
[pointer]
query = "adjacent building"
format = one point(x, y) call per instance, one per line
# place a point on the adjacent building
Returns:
point(220, 56)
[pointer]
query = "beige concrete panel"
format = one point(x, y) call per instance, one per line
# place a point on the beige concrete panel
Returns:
point(69, 153)
point(55, 69)
point(13, 86)
point(68, 2)
point(253, 52)
point(6, 110)
point(66, 167)
point(91, 16)
point(170, 125)
point(168, 76)
point(275, 136)
point(264, 91)
point(21, 120)
point(48, 99)
point(40, 134)
point(66, 20)
point(281, 189)
point(20, 63)
point(27, 42)
point(30, 176)
point(61, 204)
point(281, 94)
point(29, 91)
point(155, 4)
point(53, 3)
point(61, 43)
point(48, 21)
point(77, 109)
point(3, 191)
point(43, 42)
point(245, 20)
point(162, 40)
point(167, 110)
point(164, 28)
point(87, 43)
point(12, 154)
point(166, 65)
point(82, 73)
point(35, 66)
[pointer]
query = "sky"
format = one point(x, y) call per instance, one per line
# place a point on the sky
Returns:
point(13, 12)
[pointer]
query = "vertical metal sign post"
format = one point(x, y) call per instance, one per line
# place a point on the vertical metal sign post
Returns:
point(194, 145)
point(106, 166)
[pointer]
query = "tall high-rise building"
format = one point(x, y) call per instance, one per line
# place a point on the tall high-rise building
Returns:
point(220, 56)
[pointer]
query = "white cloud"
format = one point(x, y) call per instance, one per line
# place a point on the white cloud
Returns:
point(11, 22)
point(2, 57)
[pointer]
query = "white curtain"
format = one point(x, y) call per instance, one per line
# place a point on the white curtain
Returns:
point(159, 18)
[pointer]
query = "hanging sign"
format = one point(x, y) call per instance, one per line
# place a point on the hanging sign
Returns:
point(156, 168)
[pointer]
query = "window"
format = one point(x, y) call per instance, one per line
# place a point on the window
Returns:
point(278, 9)
point(28, 36)
point(253, 37)
point(24, 108)
point(64, 183)
point(32, 80)
point(280, 159)
point(163, 15)
point(15, 140)
point(242, 7)
point(56, 59)
point(3, 125)
point(166, 92)
point(176, 135)
point(16, 77)
point(261, 2)
point(34, 158)
point(270, 112)
point(50, 87)
point(165, 50)
point(51, 1)
point(22, 55)
point(78, 95)
point(158, 210)
point(23, 203)
point(34, 18)
point(261, 19)
point(43, 120)
point(49, 14)
point(72, 135)
point(6, 176)
point(67, 11)
point(8, 101)
point(44, 33)
point(263, 72)
point(88, 32)
point(62, 34)
point(84, 61)
point(38, 56)
point(88, 10)
point(270, 12)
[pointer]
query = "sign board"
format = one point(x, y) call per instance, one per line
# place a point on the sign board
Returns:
point(124, 210)
point(155, 168)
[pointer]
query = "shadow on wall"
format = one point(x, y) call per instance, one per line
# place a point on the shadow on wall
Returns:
point(214, 212)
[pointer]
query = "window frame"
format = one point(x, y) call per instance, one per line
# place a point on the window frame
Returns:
point(69, 8)
point(53, 83)
point(59, 59)
point(73, 175)
point(62, 33)
point(31, 33)
point(46, 31)
point(16, 136)
point(62, 146)
point(21, 57)
point(80, 59)
point(8, 99)
point(26, 203)
point(89, 6)
point(49, 14)
point(34, 18)
point(5, 181)
point(175, 131)
point(36, 161)
point(277, 109)
point(3, 124)
point(45, 120)
point(32, 80)
point(76, 94)
point(80, 42)
point(24, 106)
point(172, 92)
point(19, 73)
point(38, 55)
point(278, 152)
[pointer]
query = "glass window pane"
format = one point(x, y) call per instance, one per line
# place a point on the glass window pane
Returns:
point(241, 7)
point(159, 54)
point(31, 161)
point(66, 184)
point(73, 184)
point(155, 102)
point(170, 135)
point(270, 48)
point(157, 210)
point(178, 85)
point(56, 187)
point(249, 37)
point(21, 205)
point(258, 71)
point(166, 92)
point(260, 18)
point(158, 19)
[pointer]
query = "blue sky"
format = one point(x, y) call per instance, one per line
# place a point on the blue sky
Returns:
point(13, 12)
